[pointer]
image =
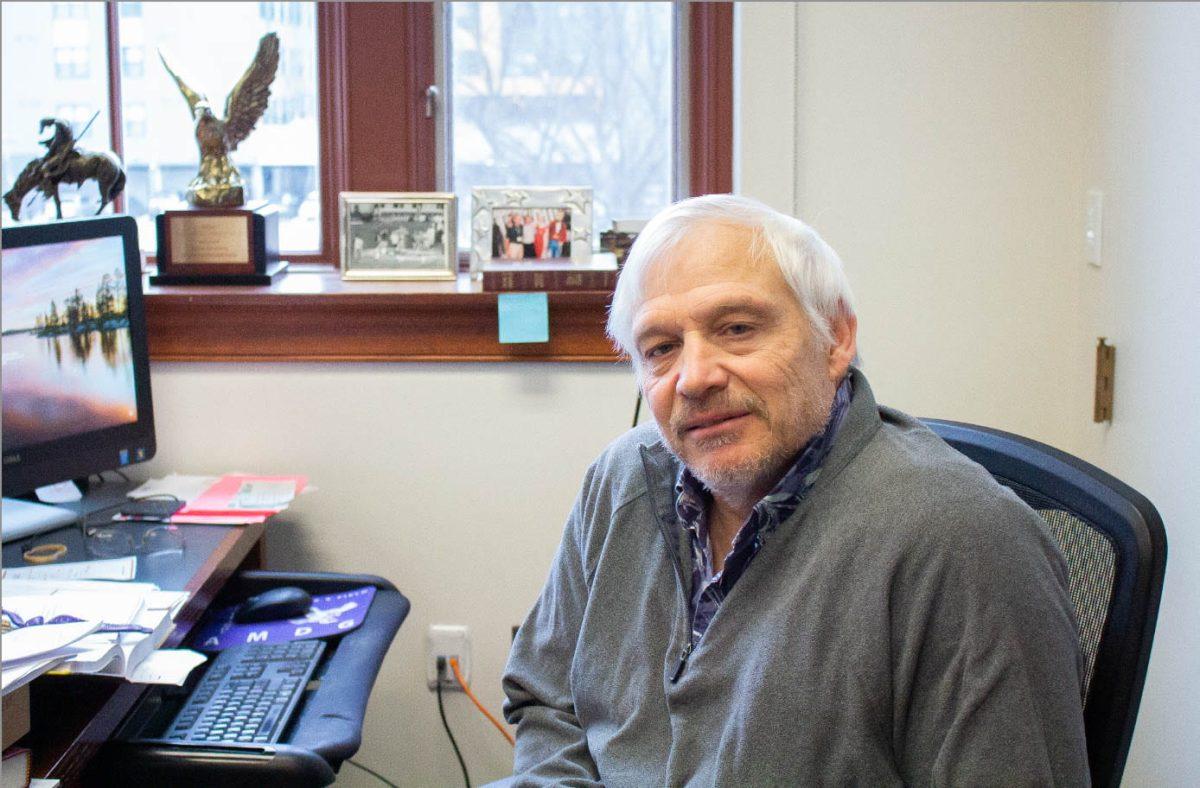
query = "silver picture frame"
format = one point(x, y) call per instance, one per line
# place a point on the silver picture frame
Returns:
point(398, 235)
point(490, 205)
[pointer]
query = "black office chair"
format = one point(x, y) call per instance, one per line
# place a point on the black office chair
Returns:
point(1116, 550)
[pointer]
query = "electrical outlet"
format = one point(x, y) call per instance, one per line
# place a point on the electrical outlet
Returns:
point(446, 640)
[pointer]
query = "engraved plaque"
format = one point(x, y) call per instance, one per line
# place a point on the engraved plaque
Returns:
point(211, 240)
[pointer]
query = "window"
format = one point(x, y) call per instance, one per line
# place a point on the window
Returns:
point(134, 118)
point(72, 63)
point(53, 65)
point(377, 59)
point(69, 10)
point(77, 115)
point(578, 93)
point(133, 62)
point(209, 47)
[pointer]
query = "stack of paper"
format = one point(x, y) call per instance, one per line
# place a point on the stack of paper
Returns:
point(104, 569)
point(31, 651)
point(232, 499)
point(140, 613)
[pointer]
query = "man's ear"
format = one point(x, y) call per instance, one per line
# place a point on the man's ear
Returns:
point(845, 344)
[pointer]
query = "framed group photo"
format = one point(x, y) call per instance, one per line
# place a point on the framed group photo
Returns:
point(398, 235)
point(531, 224)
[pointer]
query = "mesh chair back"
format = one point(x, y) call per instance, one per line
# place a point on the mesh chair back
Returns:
point(1091, 564)
point(1116, 550)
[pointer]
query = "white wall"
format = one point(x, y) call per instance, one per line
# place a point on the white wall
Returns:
point(940, 149)
point(945, 151)
point(1145, 298)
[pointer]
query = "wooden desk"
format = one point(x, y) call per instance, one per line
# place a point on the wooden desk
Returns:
point(72, 716)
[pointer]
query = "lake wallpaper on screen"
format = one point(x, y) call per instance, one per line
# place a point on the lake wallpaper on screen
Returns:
point(67, 365)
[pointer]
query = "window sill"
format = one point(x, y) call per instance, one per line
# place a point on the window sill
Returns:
point(312, 315)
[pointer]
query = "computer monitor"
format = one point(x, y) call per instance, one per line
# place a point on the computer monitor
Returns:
point(76, 370)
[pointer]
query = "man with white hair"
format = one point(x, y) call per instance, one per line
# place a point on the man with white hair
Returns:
point(780, 582)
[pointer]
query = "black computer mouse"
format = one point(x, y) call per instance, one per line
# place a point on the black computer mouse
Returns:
point(274, 605)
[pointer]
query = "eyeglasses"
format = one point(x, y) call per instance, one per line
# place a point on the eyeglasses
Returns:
point(115, 541)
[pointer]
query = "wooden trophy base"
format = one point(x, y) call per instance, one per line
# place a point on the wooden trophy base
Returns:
point(215, 246)
point(265, 278)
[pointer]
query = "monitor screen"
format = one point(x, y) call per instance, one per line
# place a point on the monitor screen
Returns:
point(76, 387)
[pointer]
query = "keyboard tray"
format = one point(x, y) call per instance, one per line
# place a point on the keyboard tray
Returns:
point(326, 726)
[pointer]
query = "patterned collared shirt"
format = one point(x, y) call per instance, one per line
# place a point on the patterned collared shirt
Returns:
point(709, 589)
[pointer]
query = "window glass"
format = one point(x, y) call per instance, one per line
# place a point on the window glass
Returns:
point(54, 65)
point(210, 45)
point(563, 94)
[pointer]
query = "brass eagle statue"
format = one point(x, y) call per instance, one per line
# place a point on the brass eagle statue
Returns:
point(218, 184)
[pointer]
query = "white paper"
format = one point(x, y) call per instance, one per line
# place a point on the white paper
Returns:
point(25, 587)
point(19, 675)
point(106, 569)
point(135, 647)
point(108, 653)
point(182, 486)
point(170, 601)
point(166, 666)
point(259, 494)
point(44, 640)
point(89, 655)
point(59, 492)
point(106, 608)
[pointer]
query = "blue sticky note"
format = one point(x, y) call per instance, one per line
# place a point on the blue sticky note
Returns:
point(524, 317)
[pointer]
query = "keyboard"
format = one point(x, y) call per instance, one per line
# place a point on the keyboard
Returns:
point(248, 694)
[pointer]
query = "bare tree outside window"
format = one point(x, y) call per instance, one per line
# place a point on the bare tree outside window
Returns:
point(564, 94)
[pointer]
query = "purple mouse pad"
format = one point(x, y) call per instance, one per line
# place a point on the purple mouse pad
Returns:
point(331, 614)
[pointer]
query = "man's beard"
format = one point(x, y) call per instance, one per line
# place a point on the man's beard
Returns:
point(805, 414)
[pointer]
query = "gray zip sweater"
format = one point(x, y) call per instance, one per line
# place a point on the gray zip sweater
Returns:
point(909, 624)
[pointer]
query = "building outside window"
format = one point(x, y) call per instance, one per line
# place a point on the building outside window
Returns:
point(71, 63)
point(133, 117)
point(133, 62)
point(564, 94)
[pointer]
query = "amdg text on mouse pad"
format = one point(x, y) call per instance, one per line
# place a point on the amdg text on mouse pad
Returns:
point(331, 614)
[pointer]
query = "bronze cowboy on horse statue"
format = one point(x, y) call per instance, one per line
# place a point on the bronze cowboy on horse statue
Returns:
point(63, 163)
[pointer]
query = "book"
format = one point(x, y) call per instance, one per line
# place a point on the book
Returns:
point(599, 274)
point(123, 624)
point(16, 716)
point(15, 769)
point(629, 226)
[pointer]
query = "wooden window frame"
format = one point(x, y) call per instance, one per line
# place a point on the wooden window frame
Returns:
point(369, 141)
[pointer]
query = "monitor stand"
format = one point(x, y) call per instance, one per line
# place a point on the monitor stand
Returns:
point(25, 518)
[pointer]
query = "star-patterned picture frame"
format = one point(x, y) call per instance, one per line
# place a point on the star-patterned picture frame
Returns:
point(531, 224)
